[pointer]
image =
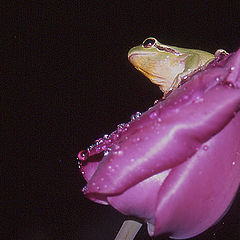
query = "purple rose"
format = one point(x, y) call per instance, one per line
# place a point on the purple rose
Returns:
point(176, 166)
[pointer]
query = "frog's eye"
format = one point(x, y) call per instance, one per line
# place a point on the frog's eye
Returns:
point(149, 42)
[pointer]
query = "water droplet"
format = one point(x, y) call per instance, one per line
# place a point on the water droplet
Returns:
point(98, 188)
point(102, 179)
point(84, 189)
point(82, 172)
point(120, 126)
point(232, 68)
point(156, 101)
point(104, 147)
point(106, 152)
point(120, 152)
point(153, 115)
point(83, 155)
point(233, 163)
point(205, 147)
point(115, 137)
point(116, 147)
point(106, 136)
point(198, 99)
point(132, 160)
point(135, 116)
point(105, 186)
point(93, 183)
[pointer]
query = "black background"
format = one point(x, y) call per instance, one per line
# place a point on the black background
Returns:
point(68, 82)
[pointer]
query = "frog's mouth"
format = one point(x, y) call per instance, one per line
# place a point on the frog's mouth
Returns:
point(139, 54)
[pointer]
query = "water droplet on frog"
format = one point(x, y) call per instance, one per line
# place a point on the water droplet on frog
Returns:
point(83, 155)
point(105, 186)
point(82, 172)
point(98, 188)
point(93, 183)
point(102, 179)
point(132, 160)
point(233, 163)
point(232, 68)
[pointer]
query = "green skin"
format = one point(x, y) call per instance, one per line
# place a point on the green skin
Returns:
point(167, 65)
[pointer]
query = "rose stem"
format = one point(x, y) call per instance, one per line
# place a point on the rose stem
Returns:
point(129, 230)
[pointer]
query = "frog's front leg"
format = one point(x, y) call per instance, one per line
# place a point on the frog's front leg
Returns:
point(191, 64)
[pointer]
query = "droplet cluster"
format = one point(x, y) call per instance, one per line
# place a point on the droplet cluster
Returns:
point(105, 143)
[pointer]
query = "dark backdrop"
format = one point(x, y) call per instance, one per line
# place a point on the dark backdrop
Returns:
point(68, 82)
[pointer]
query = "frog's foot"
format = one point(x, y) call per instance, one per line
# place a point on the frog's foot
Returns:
point(177, 81)
point(220, 52)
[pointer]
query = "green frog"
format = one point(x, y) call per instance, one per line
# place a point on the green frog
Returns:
point(166, 66)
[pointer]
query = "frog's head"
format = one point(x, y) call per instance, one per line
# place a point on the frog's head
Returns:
point(159, 62)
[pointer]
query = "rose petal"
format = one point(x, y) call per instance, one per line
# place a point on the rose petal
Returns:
point(204, 186)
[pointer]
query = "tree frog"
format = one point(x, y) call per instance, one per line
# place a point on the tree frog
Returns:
point(167, 65)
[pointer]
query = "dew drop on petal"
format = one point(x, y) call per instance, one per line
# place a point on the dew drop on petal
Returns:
point(120, 152)
point(83, 155)
point(84, 189)
point(205, 147)
point(106, 152)
point(153, 115)
point(106, 136)
point(135, 116)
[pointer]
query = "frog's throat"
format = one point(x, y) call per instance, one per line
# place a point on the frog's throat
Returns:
point(156, 79)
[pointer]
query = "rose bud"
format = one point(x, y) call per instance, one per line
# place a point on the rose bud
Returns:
point(176, 166)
